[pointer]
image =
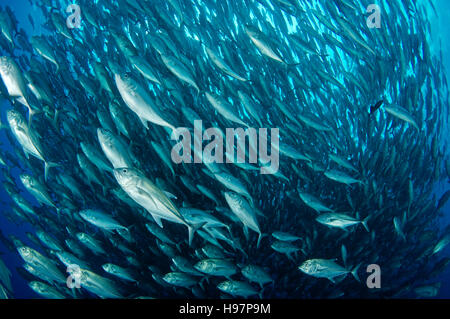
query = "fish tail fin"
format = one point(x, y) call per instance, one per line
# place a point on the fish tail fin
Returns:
point(261, 236)
point(47, 167)
point(246, 232)
point(58, 213)
point(364, 223)
point(192, 229)
point(293, 64)
point(199, 92)
point(104, 190)
point(55, 118)
point(129, 228)
point(201, 283)
point(260, 294)
point(31, 114)
point(355, 272)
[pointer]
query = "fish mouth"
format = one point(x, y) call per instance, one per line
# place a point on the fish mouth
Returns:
point(121, 173)
point(104, 135)
point(124, 80)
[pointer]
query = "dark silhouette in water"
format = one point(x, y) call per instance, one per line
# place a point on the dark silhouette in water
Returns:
point(374, 108)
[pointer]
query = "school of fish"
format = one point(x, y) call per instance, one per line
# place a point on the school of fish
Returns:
point(88, 115)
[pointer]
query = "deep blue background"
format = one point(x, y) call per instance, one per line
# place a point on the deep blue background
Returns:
point(22, 8)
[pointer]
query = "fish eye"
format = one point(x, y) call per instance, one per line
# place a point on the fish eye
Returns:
point(124, 170)
point(126, 75)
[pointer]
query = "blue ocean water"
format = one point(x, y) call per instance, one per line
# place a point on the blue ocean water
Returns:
point(440, 41)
